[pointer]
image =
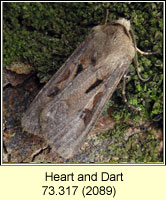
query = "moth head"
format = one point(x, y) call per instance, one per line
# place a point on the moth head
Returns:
point(125, 23)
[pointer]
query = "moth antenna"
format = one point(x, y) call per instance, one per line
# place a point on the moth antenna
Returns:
point(136, 56)
point(106, 18)
point(132, 108)
point(145, 53)
point(137, 64)
point(137, 68)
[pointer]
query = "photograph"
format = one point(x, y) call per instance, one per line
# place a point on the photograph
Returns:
point(82, 83)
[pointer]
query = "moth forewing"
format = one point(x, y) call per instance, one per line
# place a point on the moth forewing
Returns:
point(82, 87)
point(31, 118)
point(71, 131)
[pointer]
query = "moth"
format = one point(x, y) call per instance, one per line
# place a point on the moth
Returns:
point(67, 107)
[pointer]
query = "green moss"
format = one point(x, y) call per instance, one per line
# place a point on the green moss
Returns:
point(136, 148)
point(45, 34)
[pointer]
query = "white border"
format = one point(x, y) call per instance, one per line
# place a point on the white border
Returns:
point(81, 164)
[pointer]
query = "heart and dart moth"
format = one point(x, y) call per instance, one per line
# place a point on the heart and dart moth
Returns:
point(67, 107)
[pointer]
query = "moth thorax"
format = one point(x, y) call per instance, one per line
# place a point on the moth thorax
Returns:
point(124, 22)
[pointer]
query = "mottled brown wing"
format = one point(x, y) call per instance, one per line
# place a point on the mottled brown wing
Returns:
point(31, 118)
point(66, 109)
point(67, 122)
